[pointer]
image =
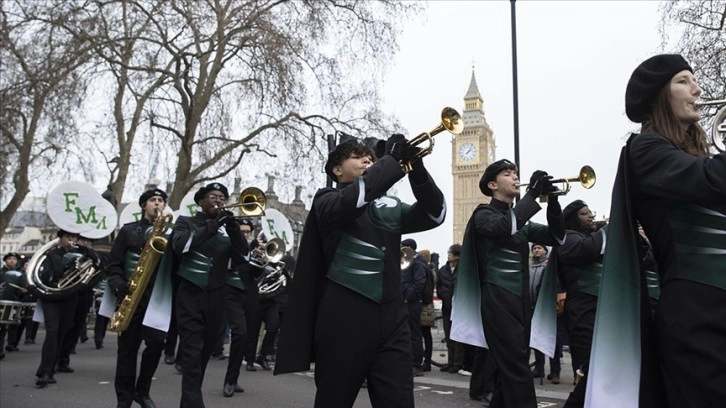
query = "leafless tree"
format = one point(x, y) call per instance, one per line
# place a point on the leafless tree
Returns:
point(42, 83)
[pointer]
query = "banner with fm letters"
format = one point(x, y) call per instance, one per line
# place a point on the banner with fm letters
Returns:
point(79, 208)
point(187, 207)
point(276, 225)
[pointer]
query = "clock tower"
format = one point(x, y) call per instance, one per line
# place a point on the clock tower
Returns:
point(472, 151)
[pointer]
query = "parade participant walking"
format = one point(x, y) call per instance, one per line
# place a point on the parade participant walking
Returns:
point(122, 261)
point(345, 308)
point(208, 244)
point(496, 248)
point(669, 183)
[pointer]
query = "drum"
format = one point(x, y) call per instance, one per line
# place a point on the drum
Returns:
point(10, 312)
point(27, 310)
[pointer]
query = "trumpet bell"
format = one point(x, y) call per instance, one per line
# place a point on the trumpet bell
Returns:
point(450, 121)
point(587, 177)
point(252, 202)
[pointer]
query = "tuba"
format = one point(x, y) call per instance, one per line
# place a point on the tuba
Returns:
point(272, 281)
point(450, 121)
point(78, 208)
point(140, 278)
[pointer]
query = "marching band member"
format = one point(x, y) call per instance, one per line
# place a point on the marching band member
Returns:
point(345, 308)
point(669, 183)
point(122, 262)
point(495, 313)
point(57, 313)
point(579, 266)
point(208, 244)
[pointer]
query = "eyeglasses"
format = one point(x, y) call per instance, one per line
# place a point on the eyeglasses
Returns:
point(217, 197)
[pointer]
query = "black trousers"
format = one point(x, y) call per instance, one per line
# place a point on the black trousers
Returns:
point(235, 307)
point(99, 329)
point(580, 316)
point(483, 373)
point(199, 315)
point(267, 311)
point(366, 340)
point(428, 344)
point(127, 384)
point(58, 317)
point(506, 325)
point(83, 305)
point(414, 326)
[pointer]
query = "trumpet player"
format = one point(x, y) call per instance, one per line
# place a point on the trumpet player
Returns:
point(122, 261)
point(208, 246)
point(579, 267)
point(345, 310)
point(492, 303)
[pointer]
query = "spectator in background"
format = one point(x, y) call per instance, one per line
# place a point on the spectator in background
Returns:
point(413, 281)
point(445, 290)
point(428, 313)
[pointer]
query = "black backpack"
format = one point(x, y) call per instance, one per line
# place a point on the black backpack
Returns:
point(428, 294)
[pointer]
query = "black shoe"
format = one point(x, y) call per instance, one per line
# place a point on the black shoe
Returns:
point(445, 368)
point(455, 369)
point(51, 380)
point(427, 367)
point(178, 367)
point(262, 362)
point(99, 346)
point(145, 401)
point(10, 347)
point(237, 388)
point(42, 381)
point(84, 339)
point(65, 369)
point(228, 390)
point(250, 367)
point(168, 359)
point(218, 356)
point(476, 397)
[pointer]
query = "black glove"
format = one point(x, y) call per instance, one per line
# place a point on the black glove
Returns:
point(541, 183)
point(232, 223)
point(397, 146)
point(223, 216)
point(120, 291)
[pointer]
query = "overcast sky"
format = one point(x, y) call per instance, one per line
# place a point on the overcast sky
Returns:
point(574, 61)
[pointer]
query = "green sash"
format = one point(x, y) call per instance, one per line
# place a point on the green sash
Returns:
point(195, 268)
point(588, 278)
point(131, 259)
point(358, 266)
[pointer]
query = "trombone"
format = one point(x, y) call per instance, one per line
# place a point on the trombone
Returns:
point(450, 121)
point(586, 178)
point(252, 202)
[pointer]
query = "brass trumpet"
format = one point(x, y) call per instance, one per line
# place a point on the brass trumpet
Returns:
point(450, 121)
point(252, 202)
point(718, 127)
point(586, 178)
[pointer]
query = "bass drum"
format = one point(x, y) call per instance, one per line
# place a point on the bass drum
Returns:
point(10, 312)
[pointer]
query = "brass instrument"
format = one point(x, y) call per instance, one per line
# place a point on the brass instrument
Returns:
point(75, 278)
point(718, 127)
point(252, 202)
point(272, 252)
point(586, 178)
point(140, 278)
point(450, 121)
point(272, 281)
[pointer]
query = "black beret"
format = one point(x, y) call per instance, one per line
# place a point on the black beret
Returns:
point(572, 208)
point(151, 193)
point(62, 232)
point(210, 187)
point(248, 222)
point(647, 81)
point(9, 254)
point(490, 174)
point(409, 243)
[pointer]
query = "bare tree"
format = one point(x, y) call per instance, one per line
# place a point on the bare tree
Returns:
point(42, 83)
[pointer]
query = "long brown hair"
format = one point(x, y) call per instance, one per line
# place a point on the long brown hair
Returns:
point(663, 121)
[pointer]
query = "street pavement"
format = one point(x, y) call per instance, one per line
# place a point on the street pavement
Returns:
point(91, 385)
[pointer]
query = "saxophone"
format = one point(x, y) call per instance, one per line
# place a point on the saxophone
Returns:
point(139, 280)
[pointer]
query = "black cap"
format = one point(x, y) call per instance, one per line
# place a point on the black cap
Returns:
point(541, 246)
point(248, 222)
point(572, 209)
point(409, 243)
point(210, 187)
point(490, 174)
point(9, 254)
point(647, 81)
point(151, 193)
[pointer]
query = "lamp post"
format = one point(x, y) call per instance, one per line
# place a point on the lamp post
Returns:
point(515, 91)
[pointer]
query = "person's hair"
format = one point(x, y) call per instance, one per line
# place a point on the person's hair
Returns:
point(455, 249)
point(573, 222)
point(426, 255)
point(663, 121)
point(345, 151)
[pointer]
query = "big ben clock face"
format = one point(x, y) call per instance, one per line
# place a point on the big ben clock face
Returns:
point(467, 152)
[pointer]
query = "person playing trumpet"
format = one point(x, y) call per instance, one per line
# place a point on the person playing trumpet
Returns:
point(492, 303)
point(122, 261)
point(345, 308)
